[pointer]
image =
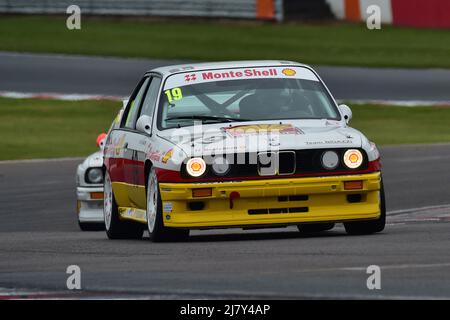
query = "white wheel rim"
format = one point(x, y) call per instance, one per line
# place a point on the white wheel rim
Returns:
point(152, 201)
point(107, 202)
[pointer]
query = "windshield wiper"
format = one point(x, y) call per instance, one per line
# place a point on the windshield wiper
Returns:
point(206, 118)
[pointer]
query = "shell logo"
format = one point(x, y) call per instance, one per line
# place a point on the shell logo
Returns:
point(289, 72)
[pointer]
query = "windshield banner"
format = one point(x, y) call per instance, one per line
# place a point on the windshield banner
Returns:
point(184, 79)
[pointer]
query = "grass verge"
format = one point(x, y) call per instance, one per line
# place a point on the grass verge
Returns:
point(33, 128)
point(326, 44)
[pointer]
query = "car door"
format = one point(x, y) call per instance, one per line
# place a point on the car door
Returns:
point(143, 142)
point(127, 137)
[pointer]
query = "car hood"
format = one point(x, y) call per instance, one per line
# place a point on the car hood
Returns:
point(262, 136)
point(94, 160)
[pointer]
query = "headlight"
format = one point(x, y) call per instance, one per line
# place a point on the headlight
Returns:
point(196, 167)
point(330, 160)
point(94, 175)
point(220, 166)
point(353, 158)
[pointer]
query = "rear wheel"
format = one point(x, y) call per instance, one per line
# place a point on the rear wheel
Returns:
point(315, 227)
point(115, 227)
point(156, 229)
point(371, 226)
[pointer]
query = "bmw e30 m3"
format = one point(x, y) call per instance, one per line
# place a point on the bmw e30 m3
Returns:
point(247, 144)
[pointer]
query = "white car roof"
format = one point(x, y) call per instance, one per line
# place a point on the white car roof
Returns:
point(168, 70)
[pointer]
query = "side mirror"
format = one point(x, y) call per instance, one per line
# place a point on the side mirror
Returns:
point(101, 139)
point(124, 103)
point(346, 112)
point(144, 124)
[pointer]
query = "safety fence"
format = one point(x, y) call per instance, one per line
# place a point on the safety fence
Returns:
point(247, 9)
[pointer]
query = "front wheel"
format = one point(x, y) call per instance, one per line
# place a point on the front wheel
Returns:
point(115, 227)
point(371, 226)
point(156, 229)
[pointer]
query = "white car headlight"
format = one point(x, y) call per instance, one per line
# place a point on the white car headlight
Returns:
point(220, 166)
point(353, 158)
point(330, 160)
point(94, 175)
point(196, 167)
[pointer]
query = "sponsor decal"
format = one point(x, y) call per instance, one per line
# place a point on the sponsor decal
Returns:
point(289, 72)
point(329, 142)
point(168, 206)
point(246, 73)
point(272, 72)
point(155, 155)
point(167, 156)
point(238, 131)
point(119, 145)
point(190, 77)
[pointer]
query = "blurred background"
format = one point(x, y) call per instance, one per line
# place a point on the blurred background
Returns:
point(415, 13)
point(86, 71)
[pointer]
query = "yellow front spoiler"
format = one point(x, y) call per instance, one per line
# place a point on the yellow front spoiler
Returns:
point(324, 199)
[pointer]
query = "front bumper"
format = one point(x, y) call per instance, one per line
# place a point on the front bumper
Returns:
point(89, 209)
point(272, 202)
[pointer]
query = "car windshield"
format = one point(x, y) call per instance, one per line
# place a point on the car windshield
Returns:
point(248, 94)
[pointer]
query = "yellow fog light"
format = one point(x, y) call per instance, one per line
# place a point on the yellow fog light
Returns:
point(196, 167)
point(353, 158)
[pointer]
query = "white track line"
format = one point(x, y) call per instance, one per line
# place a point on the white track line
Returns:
point(400, 103)
point(42, 160)
point(58, 96)
point(78, 97)
point(419, 209)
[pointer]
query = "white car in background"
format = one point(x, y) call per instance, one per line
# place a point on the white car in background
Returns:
point(89, 181)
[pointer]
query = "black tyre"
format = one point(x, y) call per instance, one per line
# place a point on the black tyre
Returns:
point(155, 224)
point(91, 226)
point(370, 226)
point(115, 227)
point(315, 227)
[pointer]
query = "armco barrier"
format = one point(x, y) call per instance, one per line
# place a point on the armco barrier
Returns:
point(411, 13)
point(248, 9)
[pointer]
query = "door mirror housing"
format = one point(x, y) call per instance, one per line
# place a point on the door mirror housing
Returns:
point(144, 124)
point(346, 112)
point(124, 103)
point(101, 139)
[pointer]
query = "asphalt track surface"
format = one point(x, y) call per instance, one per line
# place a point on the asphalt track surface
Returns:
point(39, 238)
point(33, 73)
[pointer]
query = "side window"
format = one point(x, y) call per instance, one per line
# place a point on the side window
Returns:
point(150, 99)
point(133, 106)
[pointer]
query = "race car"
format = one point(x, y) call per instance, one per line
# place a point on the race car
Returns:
point(247, 144)
point(89, 183)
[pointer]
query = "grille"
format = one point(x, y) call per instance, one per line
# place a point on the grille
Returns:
point(278, 210)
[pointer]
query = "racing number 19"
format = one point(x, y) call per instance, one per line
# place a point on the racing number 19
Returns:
point(174, 94)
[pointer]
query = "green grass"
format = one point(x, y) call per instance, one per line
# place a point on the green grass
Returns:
point(49, 128)
point(330, 44)
point(402, 125)
point(32, 128)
